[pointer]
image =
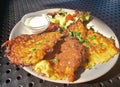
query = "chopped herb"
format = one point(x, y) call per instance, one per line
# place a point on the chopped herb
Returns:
point(88, 45)
point(37, 43)
point(112, 37)
point(85, 16)
point(86, 41)
point(80, 39)
point(46, 41)
point(70, 33)
point(33, 49)
point(92, 37)
point(76, 35)
point(94, 43)
point(55, 59)
point(101, 44)
point(89, 66)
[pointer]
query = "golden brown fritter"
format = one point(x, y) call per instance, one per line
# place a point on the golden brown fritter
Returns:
point(100, 48)
point(78, 26)
point(30, 49)
point(72, 56)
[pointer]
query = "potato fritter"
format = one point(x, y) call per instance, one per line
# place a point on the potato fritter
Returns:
point(30, 49)
point(72, 56)
point(63, 66)
point(101, 49)
point(78, 26)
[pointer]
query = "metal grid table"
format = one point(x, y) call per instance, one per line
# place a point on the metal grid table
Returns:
point(106, 10)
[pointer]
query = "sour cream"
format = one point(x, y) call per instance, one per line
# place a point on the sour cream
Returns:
point(37, 21)
point(36, 24)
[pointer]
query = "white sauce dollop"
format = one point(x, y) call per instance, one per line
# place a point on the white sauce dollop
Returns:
point(37, 21)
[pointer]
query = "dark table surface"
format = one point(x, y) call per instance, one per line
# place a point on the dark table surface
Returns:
point(12, 11)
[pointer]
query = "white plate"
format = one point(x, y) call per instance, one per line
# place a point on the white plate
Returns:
point(87, 75)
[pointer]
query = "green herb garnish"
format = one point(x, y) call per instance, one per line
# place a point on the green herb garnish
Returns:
point(37, 43)
point(84, 16)
point(80, 39)
point(55, 59)
point(46, 41)
point(92, 37)
point(70, 33)
point(88, 45)
point(74, 34)
point(101, 44)
point(77, 36)
point(86, 41)
point(33, 49)
point(112, 37)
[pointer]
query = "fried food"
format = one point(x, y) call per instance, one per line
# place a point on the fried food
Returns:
point(78, 26)
point(66, 47)
point(30, 49)
point(72, 56)
point(63, 66)
point(101, 49)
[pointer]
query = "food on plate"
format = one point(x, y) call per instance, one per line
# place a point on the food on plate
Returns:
point(64, 48)
point(35, 23)
point(78, 26)
point(45, 68)
point(63, 66)
point(101, 49)
point(64, 19)
point(71, 57)
point(30, 49)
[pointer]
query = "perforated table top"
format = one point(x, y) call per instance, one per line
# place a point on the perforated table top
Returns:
point(106, 10)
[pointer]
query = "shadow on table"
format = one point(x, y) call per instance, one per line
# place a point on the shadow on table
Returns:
point(3, 8)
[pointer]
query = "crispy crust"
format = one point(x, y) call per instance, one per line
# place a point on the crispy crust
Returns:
point(101, 49)
point(29, 49)
point(72, 56)
point(78, 26)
